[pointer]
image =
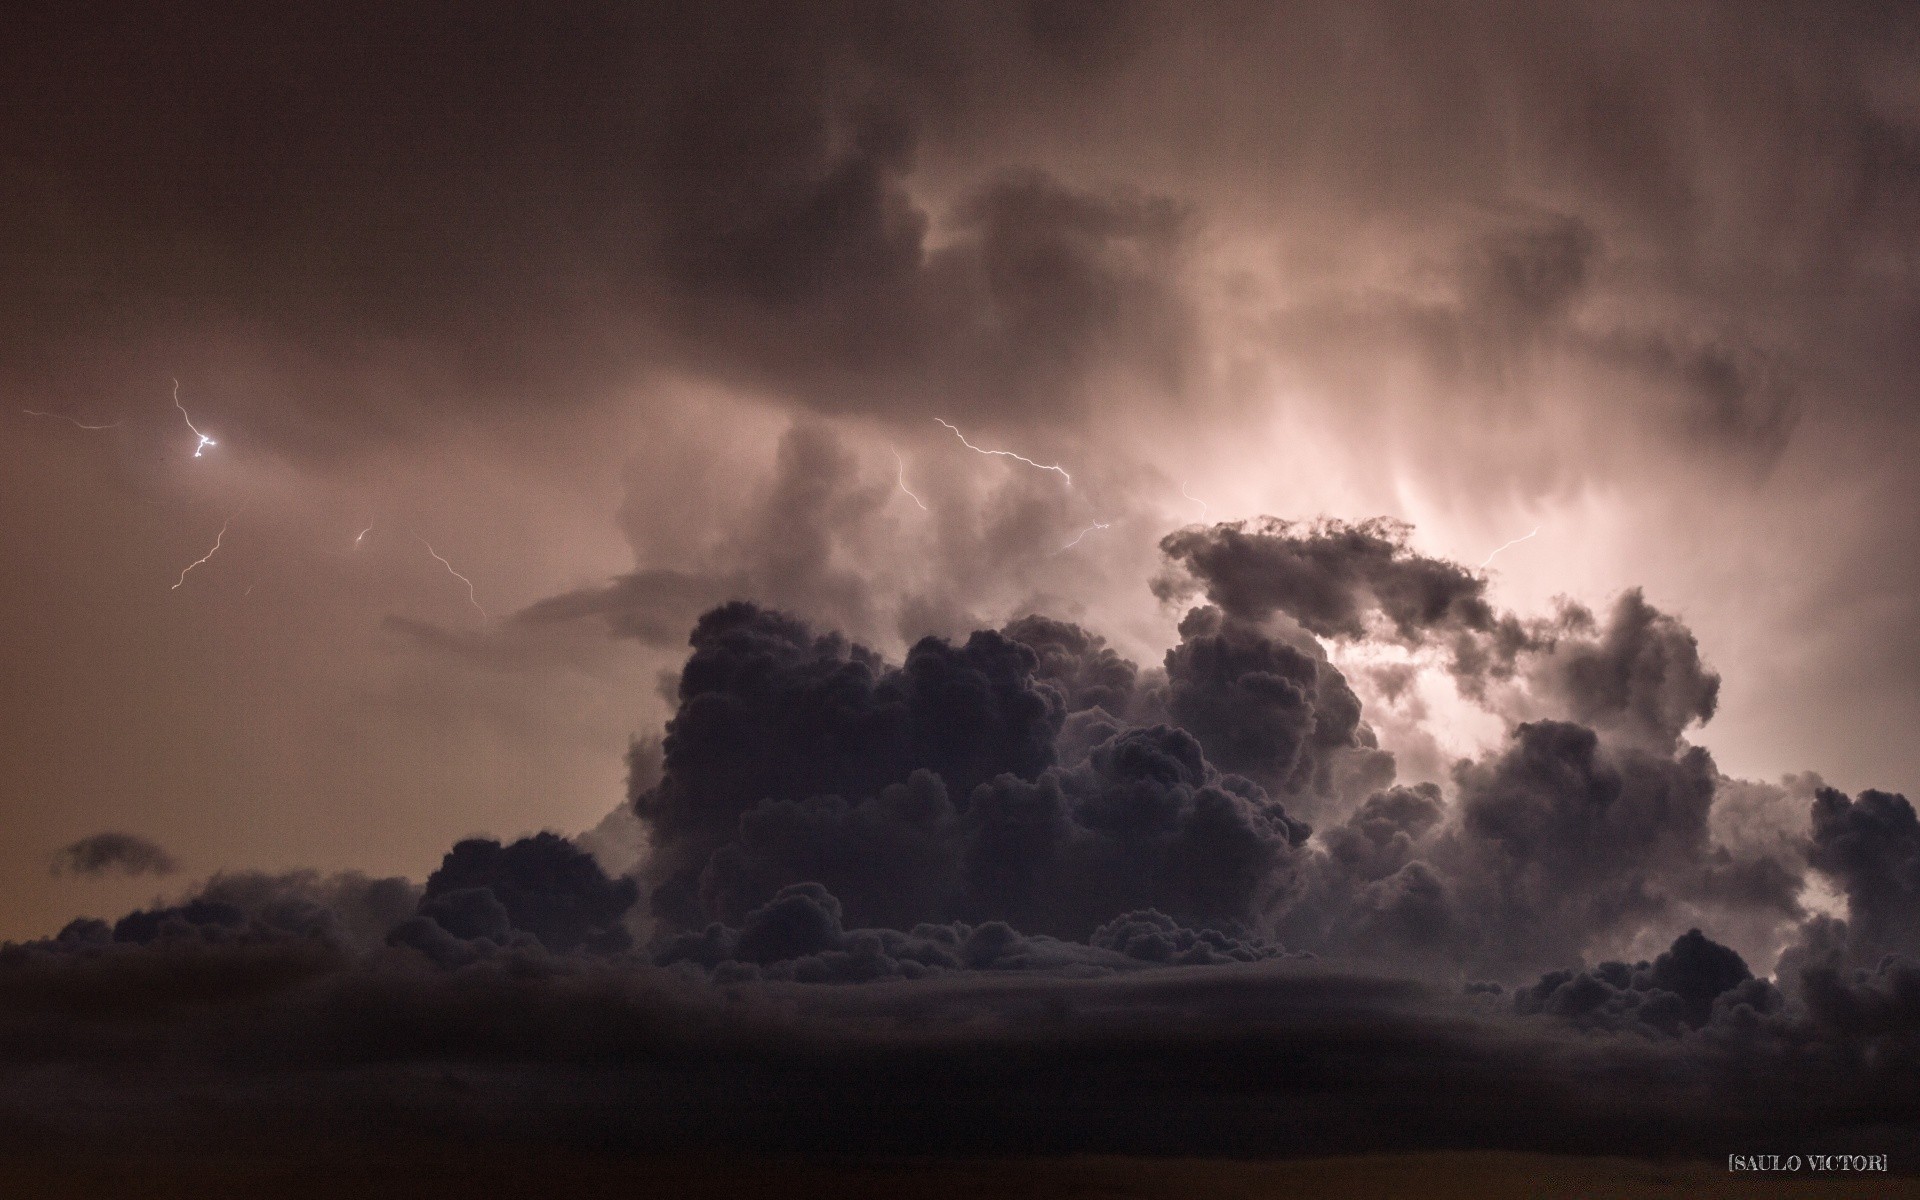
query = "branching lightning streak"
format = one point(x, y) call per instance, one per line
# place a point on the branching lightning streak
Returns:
point(218, 538)
point(1205, 508)
point(1514, 542)
point(69, 420)
point(471, 598)
point(1084, 532)
point(1061, 471)
point(901, 479)
point(205, 441)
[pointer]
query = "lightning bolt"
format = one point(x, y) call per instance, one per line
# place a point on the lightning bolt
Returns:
point(218, 538)
point(471, 599)
point(69, 420)
point(1514, 542)
point(205, 441)
point(1204, 508)
point(901, 479)
point(1061, 471)
point(1084, 532)
point(363, 533)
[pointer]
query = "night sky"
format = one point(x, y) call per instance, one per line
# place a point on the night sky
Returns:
point(1231, 579)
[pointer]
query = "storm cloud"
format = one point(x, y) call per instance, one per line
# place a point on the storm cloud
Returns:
point(574, 377)
point(929, 865)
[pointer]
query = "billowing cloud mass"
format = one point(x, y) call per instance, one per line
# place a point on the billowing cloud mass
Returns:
point(1331, 578)
point(1025, 827)
point(859, 415)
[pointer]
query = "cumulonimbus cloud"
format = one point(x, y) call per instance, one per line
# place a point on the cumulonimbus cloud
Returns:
point(1022, 825)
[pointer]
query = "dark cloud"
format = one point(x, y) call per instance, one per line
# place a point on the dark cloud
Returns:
point(1881, 1003)
point(1371, 890)
point(1144, 823)
point(797, 759)
point(543, 886)
point(1637, 678)
point(1331, 577)
point(654, 605)
point(1109, 1053)
point(770, 711)
point(821, 822)
point(347, 912)
point(114, 854)
point(1642, 679)
point(1870, 846)
point(1088, 672)
point(501, 207)
point(799, 935)
point(1070, 788)
point(1147, 823)
point(1266, 709)
point(1694, 980)
point(1572, 839)
point(894, 857)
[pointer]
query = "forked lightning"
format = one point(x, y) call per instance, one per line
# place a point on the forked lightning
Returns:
point(1061, 471)
point(471, 598)
point(901, 479)
point(205, 441)
point(1514, 542)
point(218, 538)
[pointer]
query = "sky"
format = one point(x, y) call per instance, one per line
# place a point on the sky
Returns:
point(1457, 456)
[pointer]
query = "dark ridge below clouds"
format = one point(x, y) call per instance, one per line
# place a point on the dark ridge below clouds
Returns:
point(1216, 1060)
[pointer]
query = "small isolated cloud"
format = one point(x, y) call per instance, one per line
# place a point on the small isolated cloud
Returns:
point(114, 854)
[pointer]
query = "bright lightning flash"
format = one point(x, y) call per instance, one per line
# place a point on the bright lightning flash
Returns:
point(205, 441)
point(69, 420)
point(1061, 471)
point(901, 479)
point(471, 599)
point(1514, 542)
point(1084, 532)
point(1204, 507)
point(359, 537)
point(218, 538)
